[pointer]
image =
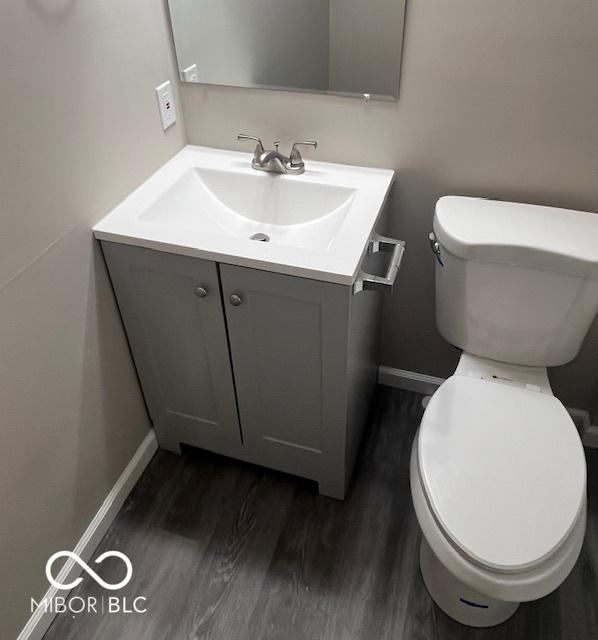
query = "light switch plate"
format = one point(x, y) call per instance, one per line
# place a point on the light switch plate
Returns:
point(190, 74)
point(166, 104)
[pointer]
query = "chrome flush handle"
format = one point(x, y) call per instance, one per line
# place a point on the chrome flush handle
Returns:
point(435, 246)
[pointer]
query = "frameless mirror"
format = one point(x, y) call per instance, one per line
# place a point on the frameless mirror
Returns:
point(347, 47)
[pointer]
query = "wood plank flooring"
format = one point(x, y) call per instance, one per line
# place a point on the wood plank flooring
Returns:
point(227, 551)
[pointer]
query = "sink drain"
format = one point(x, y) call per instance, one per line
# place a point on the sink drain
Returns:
point(260, 237)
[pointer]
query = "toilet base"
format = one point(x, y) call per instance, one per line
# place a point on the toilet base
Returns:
point(456, 599)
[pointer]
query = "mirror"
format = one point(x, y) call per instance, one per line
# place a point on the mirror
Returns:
point(346, 47)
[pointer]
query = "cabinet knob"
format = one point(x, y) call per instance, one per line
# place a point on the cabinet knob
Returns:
point(201, 292)
point(236, 300)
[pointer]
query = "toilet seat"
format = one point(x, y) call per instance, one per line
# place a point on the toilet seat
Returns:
point(502, 470)
point(508, 587)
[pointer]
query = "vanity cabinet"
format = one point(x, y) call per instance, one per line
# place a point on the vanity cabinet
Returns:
point(273, 369)
point(171, 309)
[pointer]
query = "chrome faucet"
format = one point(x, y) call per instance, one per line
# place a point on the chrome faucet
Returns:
point(273, 161)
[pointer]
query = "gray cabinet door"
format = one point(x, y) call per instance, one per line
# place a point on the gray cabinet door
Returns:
point(288, 339)
point(178, 340)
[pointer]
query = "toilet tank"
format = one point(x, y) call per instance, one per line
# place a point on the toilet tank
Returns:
point(514, 282)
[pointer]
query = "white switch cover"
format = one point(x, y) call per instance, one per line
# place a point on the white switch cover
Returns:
point(166, 104)
point(190, 74)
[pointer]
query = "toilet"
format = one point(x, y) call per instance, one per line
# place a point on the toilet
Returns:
point(498, 472)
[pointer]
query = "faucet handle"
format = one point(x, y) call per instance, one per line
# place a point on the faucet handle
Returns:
point(259, 148)
point(295, 158)
point(244, 136)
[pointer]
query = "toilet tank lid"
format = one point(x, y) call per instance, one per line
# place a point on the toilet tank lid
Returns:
point(560, 240)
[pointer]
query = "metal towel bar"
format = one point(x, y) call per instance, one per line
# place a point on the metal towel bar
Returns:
point(368, 282)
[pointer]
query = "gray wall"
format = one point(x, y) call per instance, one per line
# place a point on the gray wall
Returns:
point(497, 98)
point(79, 129)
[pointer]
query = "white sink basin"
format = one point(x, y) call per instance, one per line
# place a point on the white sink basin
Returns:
point(242, 205)
point(210, 203)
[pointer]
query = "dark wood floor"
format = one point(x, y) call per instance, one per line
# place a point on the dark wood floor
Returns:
point(228, 551)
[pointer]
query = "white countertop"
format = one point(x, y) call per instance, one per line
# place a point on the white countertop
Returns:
point(174, 211)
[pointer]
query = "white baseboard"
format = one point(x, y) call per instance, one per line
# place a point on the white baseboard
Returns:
point(41, 620)
point(408, 380)
point(422, 383)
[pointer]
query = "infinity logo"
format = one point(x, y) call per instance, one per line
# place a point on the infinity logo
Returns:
point(89, 570)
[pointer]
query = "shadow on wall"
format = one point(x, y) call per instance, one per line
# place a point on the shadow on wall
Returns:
point(105, 360)
point(50, 10)
point(579, 376)
point(412, 205)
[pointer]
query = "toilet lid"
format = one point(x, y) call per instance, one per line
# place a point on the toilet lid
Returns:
point(503, 471)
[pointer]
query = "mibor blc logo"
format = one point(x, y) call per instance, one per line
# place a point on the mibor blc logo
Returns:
point(88, 604)
point(89, 570)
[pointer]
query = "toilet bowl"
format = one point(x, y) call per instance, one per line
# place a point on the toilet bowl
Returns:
point(498, 480)
point(498, 472)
